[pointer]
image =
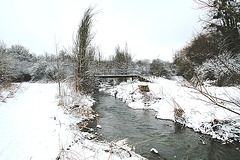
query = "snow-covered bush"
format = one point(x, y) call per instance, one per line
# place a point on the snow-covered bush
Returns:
point(15, 63)
point(66, 65)
point(225, 130)
point(39, 71)
point(18, 64)
point(5, 70)
point(143, 66)
point(183, 65)
point(223, 70)
point(160, 68)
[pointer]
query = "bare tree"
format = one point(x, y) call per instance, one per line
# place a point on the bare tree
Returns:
point(58, 65)
point(122, 58)
point(228, 102)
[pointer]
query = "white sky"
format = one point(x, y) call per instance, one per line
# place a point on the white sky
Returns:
point(151, 28)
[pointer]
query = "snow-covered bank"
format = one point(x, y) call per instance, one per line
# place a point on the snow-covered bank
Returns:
point(34, 126)
point(174, 102)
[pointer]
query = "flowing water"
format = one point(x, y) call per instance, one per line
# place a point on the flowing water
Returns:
point(144, 131)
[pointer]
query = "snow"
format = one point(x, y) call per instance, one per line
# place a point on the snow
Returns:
point(34, 126)
point(99, 126)
point(154, 150)
point(173, 101)
point(26, 122)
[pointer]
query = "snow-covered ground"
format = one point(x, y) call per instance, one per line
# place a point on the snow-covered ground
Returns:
point(172, 101)
point(34, 126)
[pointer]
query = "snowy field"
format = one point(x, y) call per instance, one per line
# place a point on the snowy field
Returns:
point(33, 126)
point(172, 101)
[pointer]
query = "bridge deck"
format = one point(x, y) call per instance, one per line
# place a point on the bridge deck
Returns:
point(117, 76)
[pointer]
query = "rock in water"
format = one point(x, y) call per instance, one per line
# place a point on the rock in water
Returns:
point(99, 126)
point(154, 150)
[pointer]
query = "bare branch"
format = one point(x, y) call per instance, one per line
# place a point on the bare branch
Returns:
point(200, 88)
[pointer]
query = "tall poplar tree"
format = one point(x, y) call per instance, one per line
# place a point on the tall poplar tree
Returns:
point(81, 45)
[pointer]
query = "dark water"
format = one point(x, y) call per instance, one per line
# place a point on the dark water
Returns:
point(146, 132)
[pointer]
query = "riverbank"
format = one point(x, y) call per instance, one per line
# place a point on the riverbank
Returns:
point(147, 133)
point(172, 101)
point(37, 124)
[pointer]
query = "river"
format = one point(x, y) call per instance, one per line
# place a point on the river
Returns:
point(144, 131)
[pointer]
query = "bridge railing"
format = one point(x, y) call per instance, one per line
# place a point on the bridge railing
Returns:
point(116, 72)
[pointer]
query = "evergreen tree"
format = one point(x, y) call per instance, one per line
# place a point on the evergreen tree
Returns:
point(224, 17)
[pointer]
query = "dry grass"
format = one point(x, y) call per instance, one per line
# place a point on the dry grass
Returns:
point(8, 90)
point(5, 85)
point(178, 113)
point(67, 154)
point(73, 102)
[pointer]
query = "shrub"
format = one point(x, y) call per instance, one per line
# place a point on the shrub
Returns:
point(224, 69)
point(160, 68)
point(184, 66)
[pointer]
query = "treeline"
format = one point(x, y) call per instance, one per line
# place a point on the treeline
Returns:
point(18, 64)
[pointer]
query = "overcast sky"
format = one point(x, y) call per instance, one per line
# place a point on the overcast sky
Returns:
point(151, 28)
